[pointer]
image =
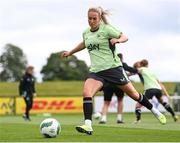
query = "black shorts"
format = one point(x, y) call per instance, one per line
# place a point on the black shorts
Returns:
point(153, 92)
point(115, 76)
point(109, 90)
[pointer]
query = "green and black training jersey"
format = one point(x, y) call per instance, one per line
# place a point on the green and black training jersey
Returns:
point(150, 79)
point(101, 54)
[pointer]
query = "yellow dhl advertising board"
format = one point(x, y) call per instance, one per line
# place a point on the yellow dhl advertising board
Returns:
point(52, 105)
point(6, 105)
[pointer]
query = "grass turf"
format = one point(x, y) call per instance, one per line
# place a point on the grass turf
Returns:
point(15, 129)
point(60, 88)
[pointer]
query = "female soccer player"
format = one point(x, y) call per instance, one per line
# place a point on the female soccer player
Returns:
point(152, 87)
point(105, 65)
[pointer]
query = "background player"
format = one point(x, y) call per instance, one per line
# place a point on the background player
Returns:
point(152, 87)
point(27, 90)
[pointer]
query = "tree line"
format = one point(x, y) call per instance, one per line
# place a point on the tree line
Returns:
point(13, 63)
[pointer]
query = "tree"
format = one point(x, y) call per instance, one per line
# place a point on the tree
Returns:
point(13, 63)
point(58, 68)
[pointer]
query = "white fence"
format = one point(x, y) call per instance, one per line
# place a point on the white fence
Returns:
point(175, 101)
point(129, 104)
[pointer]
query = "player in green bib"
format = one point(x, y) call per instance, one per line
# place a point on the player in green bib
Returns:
point(105, 67)
point(152, 87)
point(102, 56)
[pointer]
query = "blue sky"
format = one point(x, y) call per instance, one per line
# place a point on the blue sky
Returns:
point(41, 27)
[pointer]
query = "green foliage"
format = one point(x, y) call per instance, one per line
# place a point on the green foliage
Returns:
point(13, 63)
point(61, 88)
point(64, 88)
point(177, 88)
point(64, 69)
point(15, 129)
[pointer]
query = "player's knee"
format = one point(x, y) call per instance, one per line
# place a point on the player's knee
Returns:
point(107, 103)
point(136, 96)
point(87, 93)
point(31, 107)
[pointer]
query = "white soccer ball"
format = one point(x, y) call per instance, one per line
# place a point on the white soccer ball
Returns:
point(50, 128)
point(97, 115)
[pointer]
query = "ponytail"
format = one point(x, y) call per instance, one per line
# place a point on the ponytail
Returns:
point(102, 13)
point(144, 63)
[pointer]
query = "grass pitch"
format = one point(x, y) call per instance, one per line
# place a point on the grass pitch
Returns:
point(60, 88)
point(15, 129)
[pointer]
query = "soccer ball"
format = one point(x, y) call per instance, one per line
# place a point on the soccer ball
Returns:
point(50, 128)
point(97, 115)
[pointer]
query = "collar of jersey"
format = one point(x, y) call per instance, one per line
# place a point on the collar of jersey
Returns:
point(94, 30)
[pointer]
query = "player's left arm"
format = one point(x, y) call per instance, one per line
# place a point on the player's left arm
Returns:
point(122, 39)
point(115, 35)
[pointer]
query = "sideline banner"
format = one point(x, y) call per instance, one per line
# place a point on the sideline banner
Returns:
point(128, 104)
point(52, 105)
point(6, 105)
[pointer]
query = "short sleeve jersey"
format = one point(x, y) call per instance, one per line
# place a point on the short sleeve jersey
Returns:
point(150, 80)
point(101, 54)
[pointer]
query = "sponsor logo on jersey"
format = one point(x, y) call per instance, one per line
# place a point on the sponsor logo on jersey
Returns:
point(93, 47)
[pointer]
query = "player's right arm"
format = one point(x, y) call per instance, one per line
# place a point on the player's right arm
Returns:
point(78, 48)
